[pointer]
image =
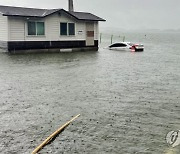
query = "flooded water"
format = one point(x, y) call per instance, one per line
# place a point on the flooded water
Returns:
point(128, 101)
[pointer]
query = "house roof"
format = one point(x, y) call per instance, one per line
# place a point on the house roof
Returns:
point(85, 16)
point(41, 13)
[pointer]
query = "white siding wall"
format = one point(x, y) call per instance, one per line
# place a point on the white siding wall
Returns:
point(96, 31)
point(18, 29)
point(53, 28)
point(3, 28)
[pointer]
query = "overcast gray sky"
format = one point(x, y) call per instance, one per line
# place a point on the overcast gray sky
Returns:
point(123, 14)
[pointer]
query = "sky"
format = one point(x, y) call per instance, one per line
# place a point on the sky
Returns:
point(120, 14)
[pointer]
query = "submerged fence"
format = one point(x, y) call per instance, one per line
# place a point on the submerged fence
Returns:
point(123, 37)
point(111, 38)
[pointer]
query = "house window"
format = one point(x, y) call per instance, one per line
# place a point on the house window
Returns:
point(63, 28)
point(36, 28)
point(31, 28)
point(71, 28)
point(67, 29)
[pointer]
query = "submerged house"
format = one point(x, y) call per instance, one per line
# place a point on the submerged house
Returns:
point(26, 29)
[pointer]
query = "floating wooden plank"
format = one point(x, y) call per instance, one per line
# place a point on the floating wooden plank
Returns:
point(53, 135)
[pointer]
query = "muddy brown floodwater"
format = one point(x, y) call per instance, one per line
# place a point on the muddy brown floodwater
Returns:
point(128, 101)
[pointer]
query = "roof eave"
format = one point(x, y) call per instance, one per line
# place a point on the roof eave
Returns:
point(91, 20)
point(8, 15)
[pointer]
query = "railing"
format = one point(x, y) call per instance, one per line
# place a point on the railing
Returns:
point(111, 38)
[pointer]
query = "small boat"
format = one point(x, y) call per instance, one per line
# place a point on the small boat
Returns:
point(127, 46)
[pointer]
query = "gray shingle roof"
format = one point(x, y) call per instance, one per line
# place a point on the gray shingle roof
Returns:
point(86, 16)
point(41, 13)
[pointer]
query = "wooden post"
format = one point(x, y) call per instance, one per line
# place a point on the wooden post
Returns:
point(124, 38)
point(111, 39)
point(100, 37)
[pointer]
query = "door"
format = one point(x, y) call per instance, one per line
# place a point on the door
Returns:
point(89, 34)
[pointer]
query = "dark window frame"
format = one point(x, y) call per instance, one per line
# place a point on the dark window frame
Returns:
point(63, 29)
point(69, 30)
point(36, 31)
